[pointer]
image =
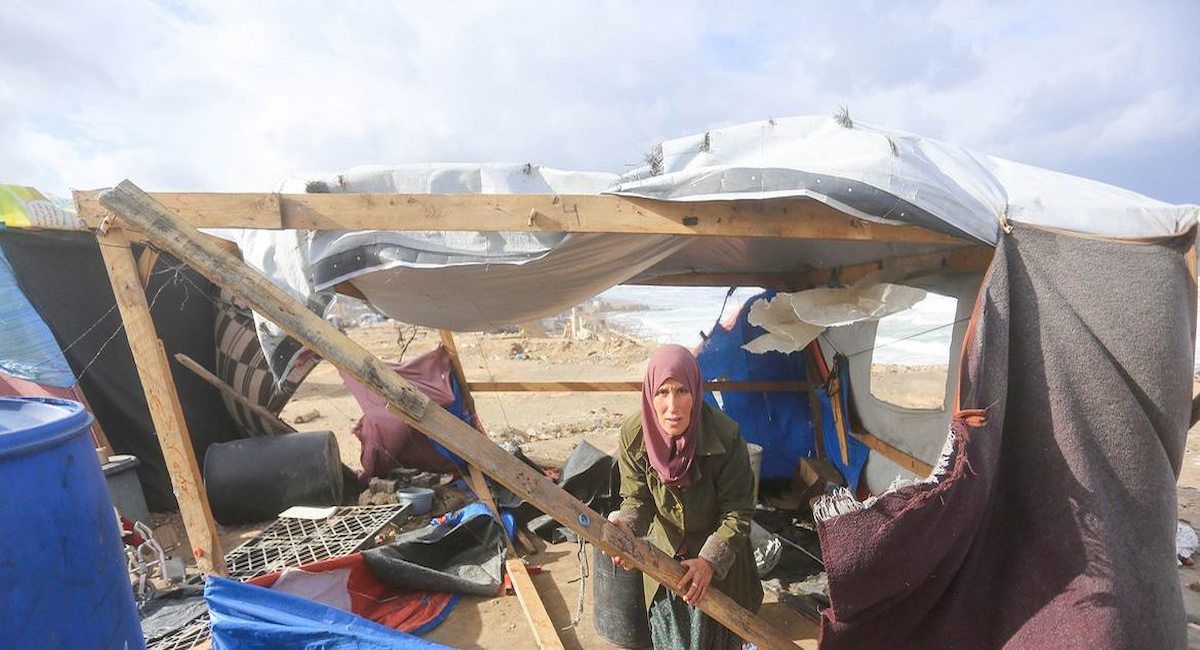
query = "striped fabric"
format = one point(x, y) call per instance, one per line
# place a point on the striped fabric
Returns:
point(242, 365)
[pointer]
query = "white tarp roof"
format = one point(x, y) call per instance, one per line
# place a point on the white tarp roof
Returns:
point(888, 175)
point(474, 280)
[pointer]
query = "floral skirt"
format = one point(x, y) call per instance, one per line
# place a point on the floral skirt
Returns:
point(676, 624)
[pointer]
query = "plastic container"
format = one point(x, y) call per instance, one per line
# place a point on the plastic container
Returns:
point(124, 488)
point(756, 454)
point(63, 579)
point(618, 604)
point(257, 478)
point(419, 499)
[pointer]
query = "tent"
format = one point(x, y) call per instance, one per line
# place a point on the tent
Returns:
point(797, 204)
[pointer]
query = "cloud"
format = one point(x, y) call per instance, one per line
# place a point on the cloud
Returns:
point(237, 96)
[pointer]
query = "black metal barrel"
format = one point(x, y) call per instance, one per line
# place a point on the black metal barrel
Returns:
point(257, 478)
point(618, 604)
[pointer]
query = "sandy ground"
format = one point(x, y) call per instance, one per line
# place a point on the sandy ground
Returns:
point(549, 426)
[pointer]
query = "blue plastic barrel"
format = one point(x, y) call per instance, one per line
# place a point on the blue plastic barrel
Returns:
point(63, 579)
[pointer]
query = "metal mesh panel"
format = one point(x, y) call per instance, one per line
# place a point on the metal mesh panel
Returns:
point(290, 543)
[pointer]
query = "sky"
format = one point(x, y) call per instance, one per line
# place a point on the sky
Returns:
point(238, 96)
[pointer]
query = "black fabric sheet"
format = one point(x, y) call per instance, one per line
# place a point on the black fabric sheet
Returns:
point(589, 475)
point(463, 558)
point(64, 278)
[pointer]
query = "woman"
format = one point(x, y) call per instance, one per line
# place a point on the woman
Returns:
point(686, 482)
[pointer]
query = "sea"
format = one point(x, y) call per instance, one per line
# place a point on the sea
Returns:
point(917, 336)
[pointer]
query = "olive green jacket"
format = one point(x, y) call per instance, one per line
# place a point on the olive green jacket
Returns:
point(710, 518)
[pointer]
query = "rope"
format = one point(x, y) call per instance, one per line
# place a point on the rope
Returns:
point(581, 556)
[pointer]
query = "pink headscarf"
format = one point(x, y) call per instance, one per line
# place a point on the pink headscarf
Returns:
point(671, 456)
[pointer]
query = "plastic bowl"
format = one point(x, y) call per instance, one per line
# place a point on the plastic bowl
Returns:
point(418, 499)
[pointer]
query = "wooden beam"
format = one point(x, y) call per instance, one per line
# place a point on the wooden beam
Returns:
point(840, 417)
point(203, 373)
point(907, 461)
point(719, 386)
point(544, 632)
point(175, 236)
point(791, 218)
point(145, 264)
point(963, 259)
point(477, 478)
point(165, 409)
point(203, 210)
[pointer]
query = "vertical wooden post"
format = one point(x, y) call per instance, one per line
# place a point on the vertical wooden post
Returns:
point(535, 611)
point(165, 409)
point(478, 481)
point(839, 416)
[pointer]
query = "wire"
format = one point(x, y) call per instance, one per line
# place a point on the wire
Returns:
point(491, 378)
point(120, 326)
point(584, 572)
point(905, 338)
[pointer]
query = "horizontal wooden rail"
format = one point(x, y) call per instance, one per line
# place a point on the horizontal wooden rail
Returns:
point(957, 260)
point(633, 386)
point(894, 454)
point(791, 218)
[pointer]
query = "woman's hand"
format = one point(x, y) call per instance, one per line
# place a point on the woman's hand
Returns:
point(696, 580)
point(618, 560)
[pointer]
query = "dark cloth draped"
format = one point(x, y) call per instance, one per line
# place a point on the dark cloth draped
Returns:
point(1053, 522)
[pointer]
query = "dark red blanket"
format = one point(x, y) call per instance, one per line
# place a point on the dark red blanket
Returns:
point(1051, 522)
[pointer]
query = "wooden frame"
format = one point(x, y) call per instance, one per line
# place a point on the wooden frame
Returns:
point(173, 235)
point(164, 218)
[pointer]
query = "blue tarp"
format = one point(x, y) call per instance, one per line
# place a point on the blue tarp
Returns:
point(781, 423)
point(249, 617)
point(27, 347)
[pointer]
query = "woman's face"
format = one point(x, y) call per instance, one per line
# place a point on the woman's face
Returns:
point(673, 407)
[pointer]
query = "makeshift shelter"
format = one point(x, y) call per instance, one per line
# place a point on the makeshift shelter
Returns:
point(791, 203)
point(65, 338)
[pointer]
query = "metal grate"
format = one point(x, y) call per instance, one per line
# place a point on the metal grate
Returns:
point(296, 542)
point(186, 637)
point(290, 543)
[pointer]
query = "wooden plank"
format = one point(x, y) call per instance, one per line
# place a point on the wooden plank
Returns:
point(894, 454)
point(719, 386)
point(203, 373)
point(839, 417)
point(959, 260)
point(145, 264)
point(544, 632)
point(98, 436)
point(176, 237)
point(791, 218)
point(477, 478)
point(165, 410)
point(233, 210)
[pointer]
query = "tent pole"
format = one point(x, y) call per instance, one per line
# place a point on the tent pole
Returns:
point(173, 235)
point(535, 611)
point(203, 373)
point(165, 410)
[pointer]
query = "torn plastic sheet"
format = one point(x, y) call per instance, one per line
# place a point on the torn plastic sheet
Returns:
point(793, 320)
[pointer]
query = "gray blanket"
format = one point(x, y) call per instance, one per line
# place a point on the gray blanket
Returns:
point(1052, 519)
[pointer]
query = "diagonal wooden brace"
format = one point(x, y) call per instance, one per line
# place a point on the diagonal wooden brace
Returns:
point(173, 235)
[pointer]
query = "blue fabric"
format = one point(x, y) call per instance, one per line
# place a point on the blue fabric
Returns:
point(28, 349)
point(246, 616)
point(458, 409)
point(477, 509)
point(781, 423)
point(857, 451)
point(439, 619)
